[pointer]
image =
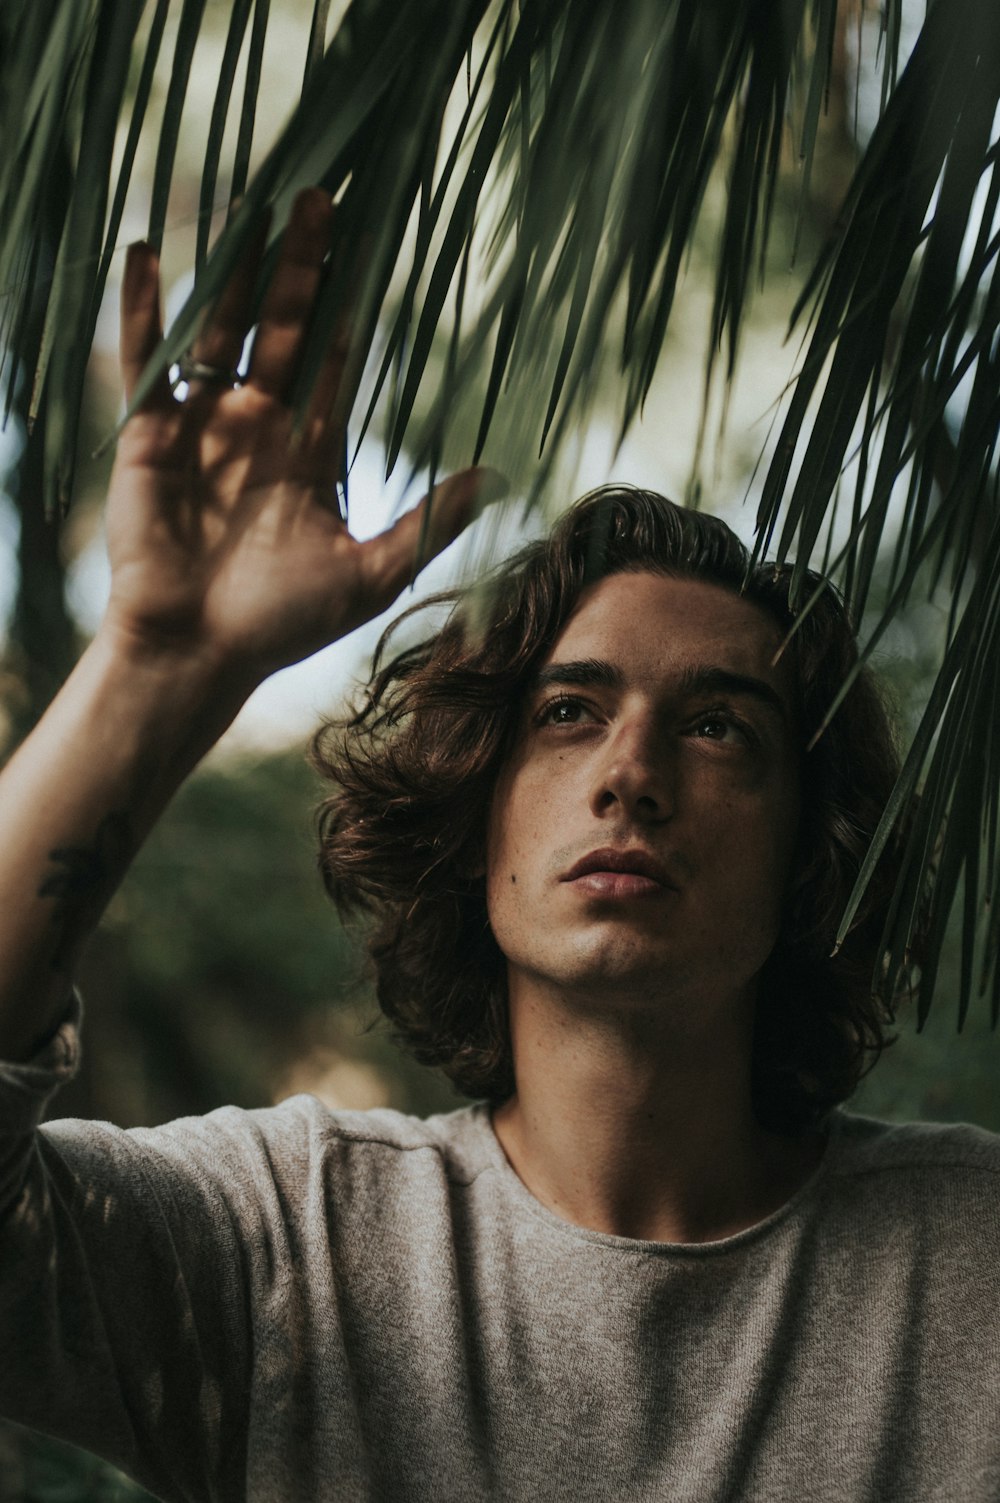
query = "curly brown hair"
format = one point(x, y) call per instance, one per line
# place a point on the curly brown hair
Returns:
point(402, 837)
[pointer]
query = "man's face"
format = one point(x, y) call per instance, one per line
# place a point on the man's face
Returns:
point(641, 834)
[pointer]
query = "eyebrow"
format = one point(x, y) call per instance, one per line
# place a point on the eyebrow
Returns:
point(587, 673)
point(708, 679)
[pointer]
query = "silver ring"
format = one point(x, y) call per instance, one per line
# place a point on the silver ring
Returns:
point(199, 370)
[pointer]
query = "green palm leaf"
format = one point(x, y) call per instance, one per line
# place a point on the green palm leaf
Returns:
point(558, 153)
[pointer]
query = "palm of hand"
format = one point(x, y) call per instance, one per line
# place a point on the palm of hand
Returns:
point(224, 533)
point(221, 532)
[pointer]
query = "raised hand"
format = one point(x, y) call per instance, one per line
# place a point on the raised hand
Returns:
point(224, 535)
point(229, 560)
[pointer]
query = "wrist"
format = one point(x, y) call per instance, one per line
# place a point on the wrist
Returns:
point(180, 698)
point(198, 673)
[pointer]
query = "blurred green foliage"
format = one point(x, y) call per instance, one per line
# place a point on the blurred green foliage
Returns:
point(222, 973)
point(938, 1075)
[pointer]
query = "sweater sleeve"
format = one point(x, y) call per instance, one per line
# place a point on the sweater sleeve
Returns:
point(124, 1284)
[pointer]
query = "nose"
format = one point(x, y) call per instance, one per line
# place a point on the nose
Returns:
point(636, 773)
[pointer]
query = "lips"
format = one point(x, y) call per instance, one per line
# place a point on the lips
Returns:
point(632, 862)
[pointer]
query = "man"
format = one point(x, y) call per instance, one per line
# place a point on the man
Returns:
point(656, 1261)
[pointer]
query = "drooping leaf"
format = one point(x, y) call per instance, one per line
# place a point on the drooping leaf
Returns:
point(561, 152)
point(239, 16)
point(192, 12)
point(244, 140)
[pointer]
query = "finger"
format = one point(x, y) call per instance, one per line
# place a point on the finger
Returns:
point(220, 342)
point(390, 561)
point(339, 375)
point(291, 295)
point(141, 324)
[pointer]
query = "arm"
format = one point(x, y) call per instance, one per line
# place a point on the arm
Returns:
point(229, 560)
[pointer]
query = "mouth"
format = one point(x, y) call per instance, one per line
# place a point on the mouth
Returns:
point(613, 872)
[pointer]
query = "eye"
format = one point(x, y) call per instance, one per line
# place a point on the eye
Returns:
point(720, 725)
point(566, 709)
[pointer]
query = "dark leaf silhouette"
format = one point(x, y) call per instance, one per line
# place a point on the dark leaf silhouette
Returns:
point(559, 152)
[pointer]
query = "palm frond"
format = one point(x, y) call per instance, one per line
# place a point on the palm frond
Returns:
point(580, 176)
point(906, 315)
point(556, 154)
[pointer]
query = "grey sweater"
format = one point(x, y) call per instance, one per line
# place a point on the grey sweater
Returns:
point(292, 1305)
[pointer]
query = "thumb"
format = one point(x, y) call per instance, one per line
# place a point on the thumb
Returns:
point(394, 558)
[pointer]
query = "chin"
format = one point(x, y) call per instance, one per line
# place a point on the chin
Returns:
point(619, 966)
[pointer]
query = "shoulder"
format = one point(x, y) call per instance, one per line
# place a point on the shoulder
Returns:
point(381, 1131)
point(298, 1137)
point(454, 1144)
point(869, 1146)
point(936, 1182)
point(271, 1165)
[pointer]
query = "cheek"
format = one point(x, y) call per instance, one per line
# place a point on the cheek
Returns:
point(787, 831)
point(508, 905)
point(518, 826)
point(520, 839)
point(753, 851)
point(502, 841)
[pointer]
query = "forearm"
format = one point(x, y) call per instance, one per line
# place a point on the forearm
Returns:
point(229, 560)
point(76, 802)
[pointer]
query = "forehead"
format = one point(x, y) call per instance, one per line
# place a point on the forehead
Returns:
point(655, 625)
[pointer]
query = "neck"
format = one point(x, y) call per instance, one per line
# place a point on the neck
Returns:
point(628, 1120)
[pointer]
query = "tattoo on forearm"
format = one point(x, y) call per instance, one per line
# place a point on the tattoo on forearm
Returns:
point(84, 880)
